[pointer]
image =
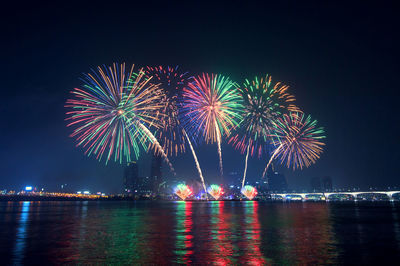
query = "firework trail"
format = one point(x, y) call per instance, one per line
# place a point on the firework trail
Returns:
point(245, 165)
point(221, 169)
point(197, 163)
point(263, 103)
point(172, 134)
point(108, 109)
point(212, 106)
point(158, 146)
point(298, 140)
point(270, 160)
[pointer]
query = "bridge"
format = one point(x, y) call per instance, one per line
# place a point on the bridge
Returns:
point(327, 196)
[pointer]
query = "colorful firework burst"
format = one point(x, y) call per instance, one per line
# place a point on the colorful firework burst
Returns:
point(249, 191)
point(298, 140)
point(171, 81)
point(110, 111)
point(263, 103)
point(215, 191)
point(183, 191)
point(212, 106)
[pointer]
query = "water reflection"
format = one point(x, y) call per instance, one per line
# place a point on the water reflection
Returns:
point(21, 237)
point(222, 233)
point(366, 233)
point(252, 236)
point(183, 231)
point(222, 239)
point(307, 236)
point(396, 224)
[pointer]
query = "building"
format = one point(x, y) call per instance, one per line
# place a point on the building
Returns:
point(130, 178)
point(234, 179)
point(143, 186)
point(326, 183)
point(315, 183)
point(277, 182)
point(323, 184)
point(156, 178)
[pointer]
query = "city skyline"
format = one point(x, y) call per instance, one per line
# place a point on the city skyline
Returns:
point(337, 80)
point(199, 133)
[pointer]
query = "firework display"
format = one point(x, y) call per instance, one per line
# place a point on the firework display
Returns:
point(196, 162)
point(183, 191)
point(110, 111)
point(215, 191)
point(263, 103)
point(213, 107)
point(249, 191)
point(119, 111)
point(171, 81)
point(298, 140)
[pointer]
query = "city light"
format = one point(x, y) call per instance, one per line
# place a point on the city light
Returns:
point(28, 188)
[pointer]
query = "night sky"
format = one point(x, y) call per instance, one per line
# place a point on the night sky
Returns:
point(341, 62)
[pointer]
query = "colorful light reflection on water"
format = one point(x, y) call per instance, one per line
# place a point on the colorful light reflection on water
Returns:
point(217, 232)
point(184, 237)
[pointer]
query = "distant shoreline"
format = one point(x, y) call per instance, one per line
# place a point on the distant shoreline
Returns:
point(114, 198)
point(18, 198)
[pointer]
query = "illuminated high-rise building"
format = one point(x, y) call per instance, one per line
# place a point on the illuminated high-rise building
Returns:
point(131, 176)
point(156, 173)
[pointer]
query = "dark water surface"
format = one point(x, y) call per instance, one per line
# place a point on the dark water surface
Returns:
point(222, 233)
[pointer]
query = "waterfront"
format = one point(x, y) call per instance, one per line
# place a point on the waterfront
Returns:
point(149, 232)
